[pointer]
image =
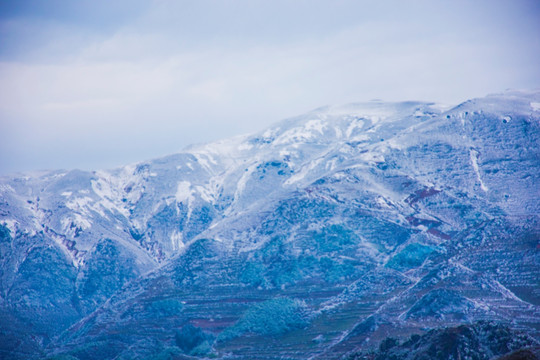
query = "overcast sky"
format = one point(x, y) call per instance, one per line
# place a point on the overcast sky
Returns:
point(96, 84)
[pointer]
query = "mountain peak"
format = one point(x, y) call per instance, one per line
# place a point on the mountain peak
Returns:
point(356, 221)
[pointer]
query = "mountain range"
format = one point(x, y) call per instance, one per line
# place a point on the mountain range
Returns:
point(330, 235)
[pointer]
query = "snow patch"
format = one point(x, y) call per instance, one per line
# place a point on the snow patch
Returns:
point(303, 172)
point(332, 164)
point(79, 204)
point(300, 134)
point(382, 202)
point(184, 195)
point(77, 220)
point(394, 144)
point(375, 119)
point(356, 124)
point(183, 191)
point(205, 160)
point(535, 106)
point(473, 154)
point(11, 224)
point(359, 138)
point(241, 185)
point(206, 194)
point(316, 125)
point(177, 240)
point(81, 222)
point(66, 193)
point(118, 191)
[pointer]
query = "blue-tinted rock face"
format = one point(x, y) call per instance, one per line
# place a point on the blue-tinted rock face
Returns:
point(478, 341)
point(318, 237)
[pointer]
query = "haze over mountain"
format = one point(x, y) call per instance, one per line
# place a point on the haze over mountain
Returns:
point(317, 238)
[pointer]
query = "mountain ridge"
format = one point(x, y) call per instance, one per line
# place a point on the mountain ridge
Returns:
point(439, 204)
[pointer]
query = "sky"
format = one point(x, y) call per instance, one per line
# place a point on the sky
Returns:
point(96, 84)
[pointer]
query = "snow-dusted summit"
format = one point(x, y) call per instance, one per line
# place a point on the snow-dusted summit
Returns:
point(378, 218)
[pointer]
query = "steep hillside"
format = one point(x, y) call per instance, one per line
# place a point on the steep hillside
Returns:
point(319, 236)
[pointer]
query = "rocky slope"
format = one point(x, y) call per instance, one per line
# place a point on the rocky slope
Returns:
point(315, 238)
point(478, 341)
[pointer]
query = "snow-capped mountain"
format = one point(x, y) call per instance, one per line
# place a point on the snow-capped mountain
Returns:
point(319, 236)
